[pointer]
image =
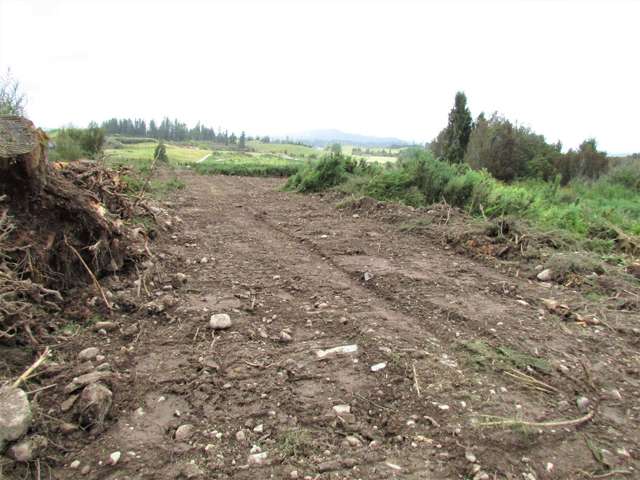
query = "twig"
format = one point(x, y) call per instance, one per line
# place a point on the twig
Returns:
point(196, 335)
point(532, 381)
point(415, 380)
point(509, 422)
point(42, 389)
point(93, 277)
point(372, 402)
point(611, 474)
point(32, 368)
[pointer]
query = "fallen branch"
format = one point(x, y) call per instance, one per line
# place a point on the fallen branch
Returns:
point(415, 381)
point(512, 422)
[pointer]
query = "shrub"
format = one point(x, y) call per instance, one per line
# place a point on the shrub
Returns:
point(328, 172)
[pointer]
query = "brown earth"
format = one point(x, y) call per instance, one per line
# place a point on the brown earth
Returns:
point(297, 275)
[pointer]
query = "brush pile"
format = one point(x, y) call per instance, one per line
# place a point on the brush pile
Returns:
point(61, 226)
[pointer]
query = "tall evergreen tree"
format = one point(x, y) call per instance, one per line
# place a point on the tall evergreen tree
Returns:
point(455, 137)
point(243, 140)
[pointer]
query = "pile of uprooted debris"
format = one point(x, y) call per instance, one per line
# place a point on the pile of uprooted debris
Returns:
point(63, 228)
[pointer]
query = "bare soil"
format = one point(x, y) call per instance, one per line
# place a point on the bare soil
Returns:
point(451, 329)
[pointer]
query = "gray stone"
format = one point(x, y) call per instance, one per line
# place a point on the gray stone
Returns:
point(88, 353)
point(258, 459)
point(220, 321)
point(545, 275)
point(15, 415)
point(184, 432)
point(87, 379)
point(583, 403)
point(28, 449)
point(94, 405)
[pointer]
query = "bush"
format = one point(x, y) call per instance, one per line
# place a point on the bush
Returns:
point(74, 143)
point(328, 172)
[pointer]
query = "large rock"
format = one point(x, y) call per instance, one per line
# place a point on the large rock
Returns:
point(15, 415)
point(94, 405)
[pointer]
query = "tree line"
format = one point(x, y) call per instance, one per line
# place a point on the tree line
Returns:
point(171, 130)
point(511, 152)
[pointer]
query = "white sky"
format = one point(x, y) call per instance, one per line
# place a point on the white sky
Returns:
point(568, 69)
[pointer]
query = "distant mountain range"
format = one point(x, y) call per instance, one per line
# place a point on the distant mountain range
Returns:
point(322, 138)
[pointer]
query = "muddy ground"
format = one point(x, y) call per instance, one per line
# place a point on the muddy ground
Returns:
point(448, 333)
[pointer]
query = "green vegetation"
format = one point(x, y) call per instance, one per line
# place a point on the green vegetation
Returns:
point(178, 154)
point(295, 150)
point(12, 100)
point(160, 152)
point(485, 355)
point(593, 212)
point(74, 143)
point(246, 164)
point(451, 143)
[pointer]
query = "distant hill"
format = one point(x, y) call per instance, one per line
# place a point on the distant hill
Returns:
point(322, 138)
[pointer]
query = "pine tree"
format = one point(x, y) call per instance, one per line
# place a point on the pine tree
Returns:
point(455, 136)
point(243, 140)
point(160, 153)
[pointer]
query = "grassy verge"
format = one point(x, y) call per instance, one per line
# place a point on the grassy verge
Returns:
point(601, 215)
point(245, 164)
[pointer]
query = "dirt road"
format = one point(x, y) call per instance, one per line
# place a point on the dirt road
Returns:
point(445, 334)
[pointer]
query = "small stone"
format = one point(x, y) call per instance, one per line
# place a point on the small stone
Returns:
point(86, 379)
point(293, 474)
point(241, 436)
point(481, 476)
point(353, 441)
point(66, 427)
point(335, 351)
point(15, 414)
point(184, 432)
point(259, 428)
point(75, 464)
point(549, 467)
point(471, 458)
point(85, 470)
point(114, 458)
point(367, 276)
point(204, 260)
point(108, 326)
point(258, 459)
point(583, 403)
point(545, 275)
point(378, 366)
point(180, 278)
point(255, 449)
point(220, 321)
point(285, 337)
point(68, 403)
point(28, 449)
point(88, 353)
point(342, 409)
point(100, 358)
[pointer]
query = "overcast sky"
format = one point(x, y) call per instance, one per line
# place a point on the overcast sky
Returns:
point(568, 69)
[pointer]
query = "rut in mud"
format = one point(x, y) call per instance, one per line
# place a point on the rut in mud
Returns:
point(446, 335)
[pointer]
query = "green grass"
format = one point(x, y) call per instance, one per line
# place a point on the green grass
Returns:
point(178, 154)
point(248, 164)
point(283, 148)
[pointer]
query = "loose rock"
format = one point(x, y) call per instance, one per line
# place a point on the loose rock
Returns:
point(114, 458)
point(258, 459)
point(220, 321)
point(94, 405)
point(75, 464)
point(28, 449)
point(88, 353)
point(335, 351)
point(184, 432)
point(15, 415)
point(583, 403)
point(545, 275)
